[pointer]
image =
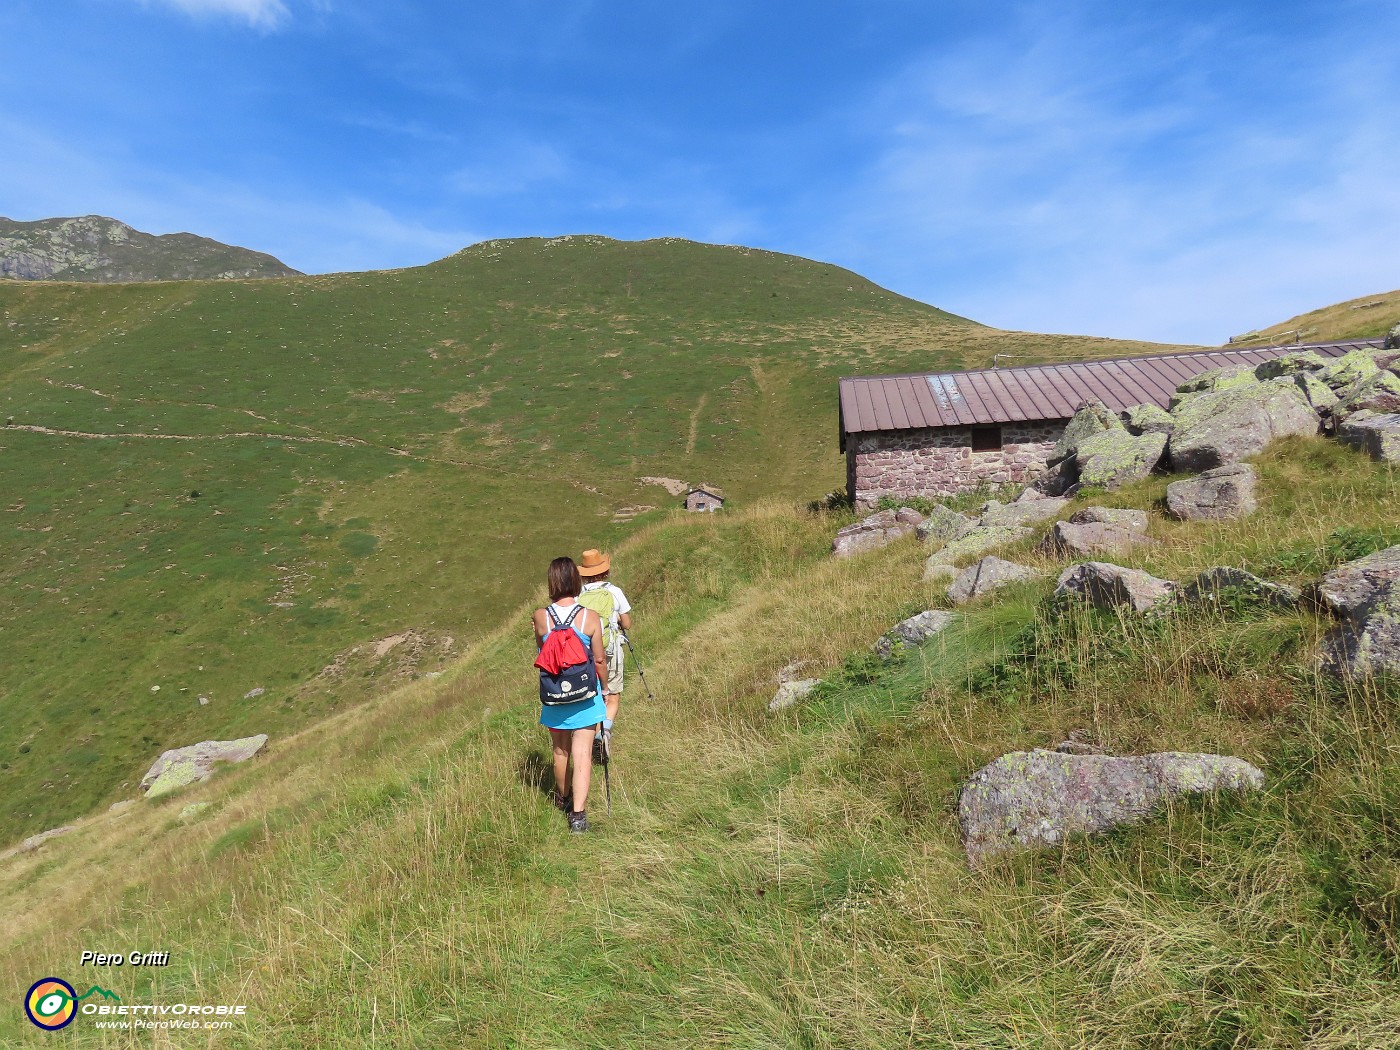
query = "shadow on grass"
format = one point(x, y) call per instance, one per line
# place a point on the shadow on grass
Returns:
point(536, 772)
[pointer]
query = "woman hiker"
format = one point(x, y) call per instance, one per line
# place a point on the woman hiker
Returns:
point(571, 725)
point(606, 599)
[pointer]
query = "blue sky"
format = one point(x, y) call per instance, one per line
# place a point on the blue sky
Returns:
point(1180, 171)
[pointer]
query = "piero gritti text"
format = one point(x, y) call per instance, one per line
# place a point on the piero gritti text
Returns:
point(135, 958)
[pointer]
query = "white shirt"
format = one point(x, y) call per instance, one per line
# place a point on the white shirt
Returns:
point(620, 603)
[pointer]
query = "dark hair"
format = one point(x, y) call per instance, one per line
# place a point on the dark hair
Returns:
point(564, 580)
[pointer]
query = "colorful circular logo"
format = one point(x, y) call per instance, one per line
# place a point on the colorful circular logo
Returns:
point(51, 1004)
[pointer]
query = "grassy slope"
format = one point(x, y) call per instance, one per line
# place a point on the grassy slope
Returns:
point(1369, 317)
point(797, 881)
point(373, 454)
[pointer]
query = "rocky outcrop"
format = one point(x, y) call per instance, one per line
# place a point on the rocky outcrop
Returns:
point(878, 530)
point(914, 631)
point(1038, 798)
point(1392, 339)
point(1115, 457)
point(1237, 419)
point(1148, 419)
point(32, 843)
point(1107, 586)
point(94, 248)
point(1223, 492)
point(1376, 435)
point(1089, 420)
point(183, 766)
point(1223, 584)
point(789, 693)
point(987, 575)
point(942, 525)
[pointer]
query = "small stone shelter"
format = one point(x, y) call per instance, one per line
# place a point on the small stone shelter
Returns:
point(935, 434)
point(704, 498)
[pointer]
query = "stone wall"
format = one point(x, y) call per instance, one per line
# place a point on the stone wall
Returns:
point(940, 462)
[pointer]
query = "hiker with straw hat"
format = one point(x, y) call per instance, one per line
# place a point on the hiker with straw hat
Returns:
point(606, 599)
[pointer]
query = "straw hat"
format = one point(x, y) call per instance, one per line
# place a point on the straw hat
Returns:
point(594, 563)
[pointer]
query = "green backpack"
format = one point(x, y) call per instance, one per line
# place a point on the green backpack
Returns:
point(601, 601)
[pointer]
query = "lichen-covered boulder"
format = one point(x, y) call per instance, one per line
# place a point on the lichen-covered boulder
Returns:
point(1037, 798)
point(1229, 378)
point(1116, 457)
point(1377, 393)
point(985, 576)
point(1107, 586)
point(1089, 419)
point(1030, 512)
point(1298, 362)
point(942, 524)
point(1366, 594)
point(914, 631)
point(1060, 480)
point(1392, 339)
point(979, 539)
point(878, 530)
point(1351, 369)
point(1226, 425)
point(1318, 394)
point(1375, 434)
point(1349, 589)
point(935, 568)
point(790, 693)
point(1148, 419)
point(1220, 493)
point(1218, 586)
point(1123, 517)
point(183, 766)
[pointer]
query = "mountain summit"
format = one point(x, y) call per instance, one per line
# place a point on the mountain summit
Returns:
point(100, 250)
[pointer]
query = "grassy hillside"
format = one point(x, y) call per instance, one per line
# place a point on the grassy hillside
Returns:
point(798, 880)
point(212, 489)
point(1369, 317)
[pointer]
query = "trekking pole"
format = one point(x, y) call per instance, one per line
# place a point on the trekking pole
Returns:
point(638, 664)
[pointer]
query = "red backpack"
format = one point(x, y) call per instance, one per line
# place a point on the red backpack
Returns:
point(567, 675)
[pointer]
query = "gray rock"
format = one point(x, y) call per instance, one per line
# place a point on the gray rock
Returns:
point(1216, 379)
point(871, 533)
point(1116, 457)
point(1028, 513)
point(913, 631)
point(1224, 492)
point(193, 810)
point(938, 569)
point(1090, 418)
point(1392, 339)
point(1071, 538)
point(1148, 419)
point(1060, 480)
point(1350, 589)
point(1123, 517)
point(1037, 798)
point(790, 693)
point(122, 806)
point(1227, 424)
point(978, 540)
point(985, 576)
point(254, 693)
point(1108, 586)
point(32, 843)
point(1217, 584)
point(1376, 435)
point(942, 525)
point(1376, 393)
point(1300, 362)
point(183, 766)
point(1350, 370)
point(908, 516)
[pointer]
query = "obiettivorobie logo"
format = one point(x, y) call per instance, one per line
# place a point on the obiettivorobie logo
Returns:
point(52, 1003)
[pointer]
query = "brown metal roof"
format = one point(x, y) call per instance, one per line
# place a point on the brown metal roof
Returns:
point(1039, 392)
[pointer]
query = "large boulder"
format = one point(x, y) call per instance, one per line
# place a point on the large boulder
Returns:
point(1376, 435)
point(790, 693)
point(1029, 512)
point(979, 539)
point(183, 766)
point(1060, 480)
point(1116, 457)
point(1300, 362)
point(32, 843)
point(1223, 492)
point(1220, 585)
point(1122, 517)
point(1107, 586)
point(1148, 419)
point(1037, 798)
point(873, 532)
point(1392, 339)
point(1090, 419)
point(935, 568)
point(1376, 393)
point(1074, 538)
point(1366, 594)
point(1350, 370)
point(914, 631)
point(942, 524)
point(986, 576)
point(1225, 425)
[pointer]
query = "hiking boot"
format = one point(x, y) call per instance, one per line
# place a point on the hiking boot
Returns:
point(563, 803)
point(578, 823)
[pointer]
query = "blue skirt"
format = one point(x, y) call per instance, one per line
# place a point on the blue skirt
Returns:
point(581, 715)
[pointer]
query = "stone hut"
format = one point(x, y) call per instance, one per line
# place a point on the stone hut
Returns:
point(704, 498)
point(935, 434)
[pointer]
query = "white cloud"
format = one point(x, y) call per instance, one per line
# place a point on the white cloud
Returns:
point(261, 14)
